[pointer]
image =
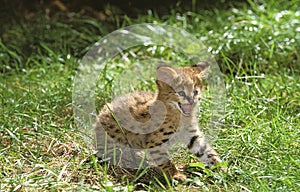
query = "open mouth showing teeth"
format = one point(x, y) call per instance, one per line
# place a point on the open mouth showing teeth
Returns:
point(185, 108)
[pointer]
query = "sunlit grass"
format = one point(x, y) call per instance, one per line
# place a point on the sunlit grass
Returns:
point(257, 48)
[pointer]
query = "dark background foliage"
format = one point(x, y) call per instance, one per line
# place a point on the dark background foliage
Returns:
point(28, 26)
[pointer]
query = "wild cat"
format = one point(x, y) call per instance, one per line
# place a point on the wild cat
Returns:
point(155, 121)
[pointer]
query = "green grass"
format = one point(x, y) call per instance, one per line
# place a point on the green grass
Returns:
point(257, 47)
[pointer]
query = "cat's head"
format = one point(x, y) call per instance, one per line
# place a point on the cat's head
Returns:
point(181, 87)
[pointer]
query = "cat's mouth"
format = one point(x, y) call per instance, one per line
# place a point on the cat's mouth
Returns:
point(186, 108)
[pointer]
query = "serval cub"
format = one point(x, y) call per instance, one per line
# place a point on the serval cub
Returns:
point(154, 122)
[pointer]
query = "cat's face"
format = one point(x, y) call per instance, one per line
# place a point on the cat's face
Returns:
point(180, 87)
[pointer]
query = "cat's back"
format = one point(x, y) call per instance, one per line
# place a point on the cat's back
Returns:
point(127, 109)
point(124, 119)
point(136, 103)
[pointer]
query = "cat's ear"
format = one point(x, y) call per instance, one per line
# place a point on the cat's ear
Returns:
point(166, 74)
point(201, 69)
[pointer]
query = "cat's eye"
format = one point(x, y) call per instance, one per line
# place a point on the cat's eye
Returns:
point(181, 93)
point(195, 92)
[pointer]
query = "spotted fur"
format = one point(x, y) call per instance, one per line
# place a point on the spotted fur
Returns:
point(156, 121)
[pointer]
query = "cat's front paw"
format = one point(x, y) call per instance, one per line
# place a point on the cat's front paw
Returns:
point(179, 176)
point(216, 161)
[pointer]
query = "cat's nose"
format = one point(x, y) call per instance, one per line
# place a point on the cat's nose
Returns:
point(190, 100)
